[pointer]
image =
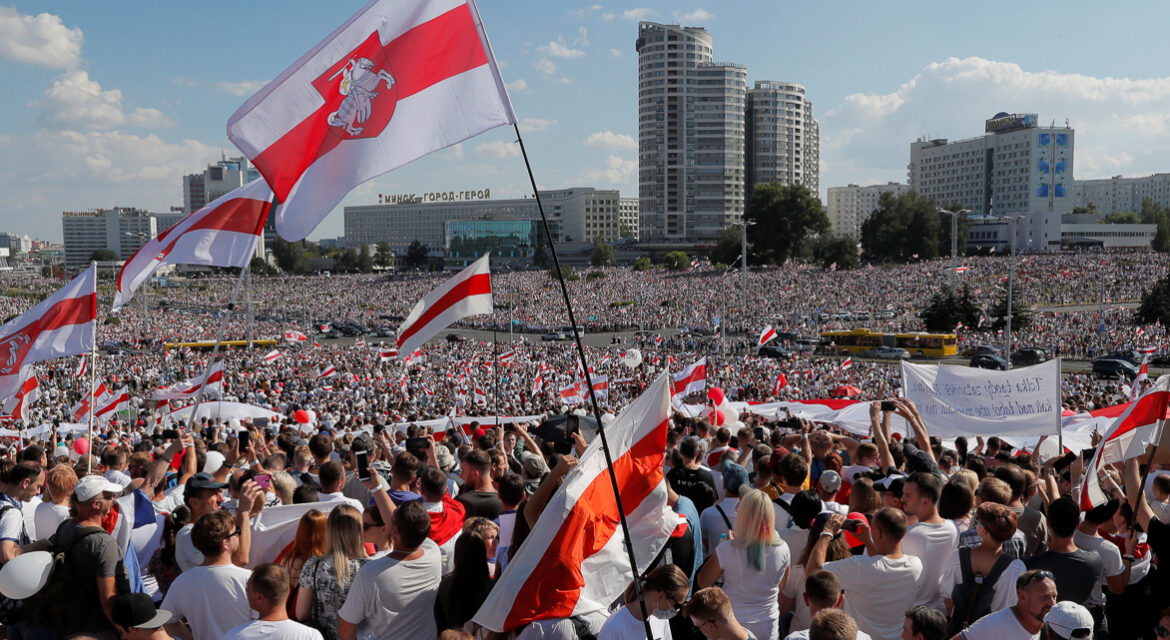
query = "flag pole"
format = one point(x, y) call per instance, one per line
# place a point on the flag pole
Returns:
point(227, 314)
point(495, 377)
point(592, 395)
point(92, 377)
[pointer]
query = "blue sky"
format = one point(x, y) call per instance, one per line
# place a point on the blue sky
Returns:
point(110, 103)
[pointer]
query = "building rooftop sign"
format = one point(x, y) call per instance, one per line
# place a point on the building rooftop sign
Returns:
point(1004, 122)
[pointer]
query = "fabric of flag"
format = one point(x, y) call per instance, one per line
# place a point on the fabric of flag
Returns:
point(781, 382)
point(962, 269)
point(1129, 437)
point(845, 365)
point(222, 234)
point(695, 263)
point(600, 386)
point(385, 355)
point(28, 393)
point(693, 379)
point(399, 80)
point(469, 293)
point(81, 366)
point(413, 358)
point(190, 388)
point(272, 356)
point(94, 398)
point(328, 372)
point(507, 357)
point(117, 402)
point(572, 394)
point(326, 328)
point(537, 384)
point(58, 326)
point(1142, 376)
point(574, 561)
point(479, 397)
point(293, 335)
point(766, 336)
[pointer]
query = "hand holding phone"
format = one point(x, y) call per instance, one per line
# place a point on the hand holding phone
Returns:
point(264, 481)
point(363, 464)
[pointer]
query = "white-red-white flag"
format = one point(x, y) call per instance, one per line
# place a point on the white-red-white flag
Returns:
point(29, 392)
point(845, 365)
point(962, 269)
point(221, 234)
point(413, 358)
point(507, 357)
point(190, 388)
point(1128, 438)
point(58, 326)
point(328, 372)
point(766, 336)
point(573, 394)
point(538, 383)
point(480, 397)
point(469, 293)
point(400, 79)
point(692, 379)
point(96, 398)
point(112, 404)
point(1143, 375)
point(781, 382)
point(574, 561)
point(81, 366)
point(385, 355)
point(292, 335)
point(600, 385)
point(272, 356)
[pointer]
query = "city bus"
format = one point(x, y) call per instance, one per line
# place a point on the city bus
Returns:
point(208, 344)
point(858, 341)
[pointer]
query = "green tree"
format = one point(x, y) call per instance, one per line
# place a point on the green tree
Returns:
point(416, 256)
point(948, 308)
point(642, 264)
point(1121, 217)
point(677, 261)
point(728, 246)
point(780, 219)
point(829, 249)
point(346, 261)
point(103, 255)
point(365, 264)
point(1152, 213)
point(903, 227)
point(1089, 208)
point(1021, 317)
point(566, 273)
point(260, 267)
point(601, 254)
point(291, 257)
point(383, 256)
point(1155, 306)
point(625, 231)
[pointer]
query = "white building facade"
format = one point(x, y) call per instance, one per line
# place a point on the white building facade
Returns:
point(783, 139)
point(690, 136)
point(1119, 194)
point(121, 230)
point(849, 207)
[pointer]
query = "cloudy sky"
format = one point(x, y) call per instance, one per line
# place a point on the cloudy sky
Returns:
point(110, 103)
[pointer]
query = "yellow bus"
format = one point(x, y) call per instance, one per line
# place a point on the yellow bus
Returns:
point(208, 344)
point(859, 341)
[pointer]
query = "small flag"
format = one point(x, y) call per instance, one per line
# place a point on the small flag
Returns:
point(962, 269)
point(766, 336)
point(781, 382)
point(272, 356)
point(328, 372)
point(845, 365)
point(295, 336)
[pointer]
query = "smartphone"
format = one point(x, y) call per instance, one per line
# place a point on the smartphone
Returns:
point(563, 448)
point(1064, 461)
point(264, 481)
point(1087, 454)
point(851, 526)
point(759, 432)
point(888, 405)
point(244, 439)
point(170, 434)
point(363, 464)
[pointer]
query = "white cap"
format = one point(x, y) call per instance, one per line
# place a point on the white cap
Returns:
point(214, 462)
point(1067, 617)
point(91, 487)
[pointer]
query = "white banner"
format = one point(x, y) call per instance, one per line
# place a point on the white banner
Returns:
point(964, 401)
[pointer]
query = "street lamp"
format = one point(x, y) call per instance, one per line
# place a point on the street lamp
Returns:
point(954, 237)
point(1011, 220)
point(743, 243)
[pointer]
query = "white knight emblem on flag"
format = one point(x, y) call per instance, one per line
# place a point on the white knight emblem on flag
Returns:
point(359, 84)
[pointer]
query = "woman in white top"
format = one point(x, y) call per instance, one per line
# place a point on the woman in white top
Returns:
point(665, 590)
point(754, 565)
point(59, 483)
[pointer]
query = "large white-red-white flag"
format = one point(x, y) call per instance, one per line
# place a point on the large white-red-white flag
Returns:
point(272, 356)
point(574, 561)
point(469, 293)
point(58, 326)
point(766, 336)
point(112, 404)
point(692, 379)
point(29, 392)
point(221, 234)
point(400, 79)
point(1128, 438)
point(190, 388)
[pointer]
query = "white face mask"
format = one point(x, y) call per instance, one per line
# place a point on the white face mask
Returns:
point(664, 614)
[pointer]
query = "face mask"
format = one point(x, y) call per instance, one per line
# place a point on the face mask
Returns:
point(664, 614)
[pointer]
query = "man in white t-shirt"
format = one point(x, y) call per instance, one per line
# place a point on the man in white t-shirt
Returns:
point(882, 584)
point(212, 596)
point(1115, 569)
point(822, 590)
point(1035, 597)
point(25, 481)
point(932, 539)
point(395, 594)
point(267, 593)
point(202, 495)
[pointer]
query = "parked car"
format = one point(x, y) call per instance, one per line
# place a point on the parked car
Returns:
point(554, 336)
point(1114, 368)
point(804, 345)
point(1028, 356)
point(455, 337)
point(982, 349)
point(771, 351)
point(1160, 359)
point(887, 353)
point(1132, 357)
point(989, 361)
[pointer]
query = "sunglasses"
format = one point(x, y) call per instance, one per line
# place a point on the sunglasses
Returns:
point(1162, 632)
point(1082, 633)
point(1037, 577)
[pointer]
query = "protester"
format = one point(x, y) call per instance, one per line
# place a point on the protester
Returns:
point(664, 591)
point(1068, 620)
point(932, 539)
point(325, 579)
point(135, 618)
point(924, 623)
point(211, 597)
point(711, 612)
point(822, 591)
point(309, 542)
point(1035, 597)
point(267, 592)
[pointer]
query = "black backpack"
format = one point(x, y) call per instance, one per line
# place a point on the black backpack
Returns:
point(972, 597)
point(50, 606)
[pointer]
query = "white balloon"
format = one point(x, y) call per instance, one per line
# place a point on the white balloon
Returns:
point(632, 358)
point(730, 415)
point(26, 574)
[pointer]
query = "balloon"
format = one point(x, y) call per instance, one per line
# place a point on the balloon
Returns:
point(301, 416)
point(632, 358)
point(719, 418)
point(81, 446)
point(716, 395)
point(730, 414)
point(26, 574)
point(312, 415)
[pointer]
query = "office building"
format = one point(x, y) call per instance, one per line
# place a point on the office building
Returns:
point(122, 230)
point(1085, 231)
point(17, 244)
point(1119, 195)
point(167, 220)
point(690, 136)
point(218, 180)
point(1016, 168)
point(850, 206)
point(783, 139)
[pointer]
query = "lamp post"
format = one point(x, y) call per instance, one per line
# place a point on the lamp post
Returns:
point(1011, 220)
point(954, 237)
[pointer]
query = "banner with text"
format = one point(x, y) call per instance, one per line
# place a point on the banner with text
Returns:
point(965, 401)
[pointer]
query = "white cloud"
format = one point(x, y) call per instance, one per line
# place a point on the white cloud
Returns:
point(499, 150)
point(183, 82)
point(615, 53)
point(1121, 124)
point(698, 15)
point(41, 40)
point(640, 13)
point(617, 170)
point(587, 11)
point(608, 17)
point(242, 88)
point(546, 67)
point(610, 140)
point(558, 49)
point(77, 102)
point(519, 84)
point(535, 124)
point(454, 152)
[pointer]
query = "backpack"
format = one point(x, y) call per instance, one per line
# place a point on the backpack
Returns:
point(12, 611)
point(972, 597)
point(49, 605)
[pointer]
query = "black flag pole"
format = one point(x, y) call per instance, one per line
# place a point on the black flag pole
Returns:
point(617, 495)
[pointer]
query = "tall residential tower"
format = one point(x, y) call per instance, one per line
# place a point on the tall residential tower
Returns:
point(783, 137)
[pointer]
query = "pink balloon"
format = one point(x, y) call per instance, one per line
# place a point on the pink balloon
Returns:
point(81, 446)
point(716, 395)
point(301, 416)
point(719, 418)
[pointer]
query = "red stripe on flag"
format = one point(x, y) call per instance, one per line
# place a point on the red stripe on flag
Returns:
point(420, 58)
point(68, 312)
point(1148, 410)
point(477, 285)
point(552, 588)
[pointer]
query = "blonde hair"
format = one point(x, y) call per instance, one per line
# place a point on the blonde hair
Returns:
point(755, 526)
point(967, 477)
point(283, 486)
point(343, 540)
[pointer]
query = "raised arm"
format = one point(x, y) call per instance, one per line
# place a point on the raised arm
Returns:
point(877, 419)
point(535, 505)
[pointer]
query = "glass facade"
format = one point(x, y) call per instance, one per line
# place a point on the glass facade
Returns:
point(466, 240)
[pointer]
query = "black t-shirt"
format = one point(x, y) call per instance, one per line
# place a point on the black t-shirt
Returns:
point(481, 504)
point(1158, 537)
point(1074, 573)
point(696, 484)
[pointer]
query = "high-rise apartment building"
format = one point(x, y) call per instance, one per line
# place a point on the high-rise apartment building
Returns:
point(1118, 194)
point(1016, 168)
point(690, 136)
point(122, 230)
point(849, 207)
point(783, 139)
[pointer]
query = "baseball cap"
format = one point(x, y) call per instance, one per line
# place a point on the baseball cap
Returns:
point(91, 487)
point(534, 465)
point(830, 481)
point(137, 610)
point(214, 462)
point(1070, 620)
point(891, 484)
point(734, 476)
point(202, 481)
